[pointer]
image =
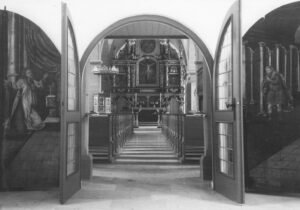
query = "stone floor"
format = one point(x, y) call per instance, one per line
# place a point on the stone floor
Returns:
point(138, 187)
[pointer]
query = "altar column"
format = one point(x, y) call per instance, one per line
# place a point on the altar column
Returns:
point(199, 67)
point(167, 78)
point(136, 111)
point(128, 78)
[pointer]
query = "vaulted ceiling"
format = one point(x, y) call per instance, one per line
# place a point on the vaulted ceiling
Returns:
point(147, 29)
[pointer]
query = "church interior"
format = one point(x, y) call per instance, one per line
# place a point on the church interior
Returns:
point(146, 81)
point(157, 82)
point(146, 95)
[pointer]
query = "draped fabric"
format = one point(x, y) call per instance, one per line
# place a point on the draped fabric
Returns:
point(41, 52)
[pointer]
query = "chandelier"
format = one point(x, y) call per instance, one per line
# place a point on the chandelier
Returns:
point(100, 68)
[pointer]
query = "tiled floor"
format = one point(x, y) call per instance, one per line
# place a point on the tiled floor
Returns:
point(138, 187)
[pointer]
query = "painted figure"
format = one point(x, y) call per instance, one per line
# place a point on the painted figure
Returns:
point(26, 99)
point(274, 91)
point(148, 73)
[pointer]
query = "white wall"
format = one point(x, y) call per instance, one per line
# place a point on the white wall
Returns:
point(90, 17)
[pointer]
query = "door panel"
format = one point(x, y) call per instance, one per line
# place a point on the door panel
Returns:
point(70, 181)
point(228, 130)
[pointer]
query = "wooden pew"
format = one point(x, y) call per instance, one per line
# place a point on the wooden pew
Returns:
point(107, 135)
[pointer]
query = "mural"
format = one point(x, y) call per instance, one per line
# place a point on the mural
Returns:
point(272, 102)
point(30, 72)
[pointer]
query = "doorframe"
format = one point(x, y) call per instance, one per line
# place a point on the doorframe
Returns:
point(206, 160)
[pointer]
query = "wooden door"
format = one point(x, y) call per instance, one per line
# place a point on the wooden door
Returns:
point(228, 172)
point(70, 181)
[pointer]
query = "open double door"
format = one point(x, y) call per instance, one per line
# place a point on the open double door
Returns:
point(70, 153)
point(228, 155)
point(228, 175)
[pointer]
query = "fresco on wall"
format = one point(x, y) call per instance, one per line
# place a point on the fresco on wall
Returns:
point(30, 72)
point(272, 103)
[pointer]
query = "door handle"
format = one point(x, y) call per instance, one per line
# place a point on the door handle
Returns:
point(230, 104)
point(202, 114)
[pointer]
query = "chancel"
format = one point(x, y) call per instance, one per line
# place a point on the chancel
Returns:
point(148, 90)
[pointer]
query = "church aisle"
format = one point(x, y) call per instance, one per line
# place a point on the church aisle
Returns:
point(147, 146)
point(142, 187)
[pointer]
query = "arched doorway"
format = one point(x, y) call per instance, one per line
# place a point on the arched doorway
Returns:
point(207, 164)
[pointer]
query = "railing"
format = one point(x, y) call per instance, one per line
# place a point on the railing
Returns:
point(186, 135)
point(121, 128)
point(173, 129)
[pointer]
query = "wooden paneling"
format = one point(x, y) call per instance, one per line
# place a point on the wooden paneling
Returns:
point(173, 129)
point(99, 131)
point(185, 134)
point(193, 131)
point(108, 134)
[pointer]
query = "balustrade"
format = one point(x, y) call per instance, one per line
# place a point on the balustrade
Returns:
point(173, 129)
point(185, 133)
point(109, 133)
point(121, 128)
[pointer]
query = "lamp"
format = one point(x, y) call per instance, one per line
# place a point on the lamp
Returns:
point(100, 68)
point(114, 69)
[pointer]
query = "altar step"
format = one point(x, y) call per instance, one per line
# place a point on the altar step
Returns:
point(147, 123)
point(193, 154)
point(99, 154)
